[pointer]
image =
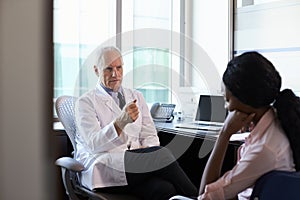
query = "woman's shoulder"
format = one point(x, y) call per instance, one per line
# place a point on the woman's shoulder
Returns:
point(275, 137)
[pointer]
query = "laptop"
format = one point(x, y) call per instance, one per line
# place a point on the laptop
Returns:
point(210, 114)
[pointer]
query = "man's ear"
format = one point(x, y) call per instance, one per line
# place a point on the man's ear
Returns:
point(96, 69)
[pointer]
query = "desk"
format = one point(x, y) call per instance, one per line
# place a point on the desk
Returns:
point(236, 139)
point(193, 147)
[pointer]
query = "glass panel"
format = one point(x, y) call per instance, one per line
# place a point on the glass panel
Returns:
point(271, 28)
point(151, 74)
point(79, 27)
point(151, 62)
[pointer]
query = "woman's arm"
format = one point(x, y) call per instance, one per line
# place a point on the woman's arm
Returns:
point(213, 167)
point(233, 123)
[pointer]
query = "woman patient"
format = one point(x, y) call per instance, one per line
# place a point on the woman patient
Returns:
point(251, 88)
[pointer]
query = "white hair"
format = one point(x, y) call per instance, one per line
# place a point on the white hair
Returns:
point(102, 52)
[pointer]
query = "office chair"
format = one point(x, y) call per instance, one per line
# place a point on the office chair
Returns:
point(277, 185)
point(72, 168)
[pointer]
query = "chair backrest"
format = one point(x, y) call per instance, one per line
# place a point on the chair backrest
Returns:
point(64, 106)
point(277, 185)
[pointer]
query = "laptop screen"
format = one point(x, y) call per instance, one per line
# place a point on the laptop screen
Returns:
point(211, 108)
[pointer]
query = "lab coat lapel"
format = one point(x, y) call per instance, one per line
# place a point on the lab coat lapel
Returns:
point(107, 99)
point(129, 97)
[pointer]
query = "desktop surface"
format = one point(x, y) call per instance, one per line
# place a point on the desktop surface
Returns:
point(172, 127)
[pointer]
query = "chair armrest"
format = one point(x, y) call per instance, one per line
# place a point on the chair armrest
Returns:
point(179, 197)
point(277, 185)
point(70, 164)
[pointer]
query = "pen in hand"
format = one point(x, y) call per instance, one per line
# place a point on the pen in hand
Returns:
point(129, 145)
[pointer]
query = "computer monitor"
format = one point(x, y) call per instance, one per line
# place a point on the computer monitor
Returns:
point(211, 108)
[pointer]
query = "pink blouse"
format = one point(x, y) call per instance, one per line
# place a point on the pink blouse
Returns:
point(266, 148)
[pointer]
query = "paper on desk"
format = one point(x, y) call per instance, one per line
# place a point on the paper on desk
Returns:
point(239, 136)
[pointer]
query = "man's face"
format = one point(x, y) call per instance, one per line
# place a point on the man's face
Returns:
point(113, 71)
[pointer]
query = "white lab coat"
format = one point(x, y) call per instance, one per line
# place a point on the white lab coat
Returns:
point(98, 146)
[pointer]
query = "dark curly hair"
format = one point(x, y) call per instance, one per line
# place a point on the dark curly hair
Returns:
point(253, 80)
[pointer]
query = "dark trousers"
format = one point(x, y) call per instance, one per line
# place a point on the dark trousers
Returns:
point(154, 174)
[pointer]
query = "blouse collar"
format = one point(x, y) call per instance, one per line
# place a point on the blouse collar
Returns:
point(262, 125)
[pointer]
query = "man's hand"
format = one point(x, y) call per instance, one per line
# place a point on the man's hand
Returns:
point(132, 110)
point(128, 115)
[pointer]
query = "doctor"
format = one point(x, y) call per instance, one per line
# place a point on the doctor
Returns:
point(117, 140)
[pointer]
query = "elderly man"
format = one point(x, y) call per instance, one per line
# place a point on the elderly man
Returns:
point(117, 140)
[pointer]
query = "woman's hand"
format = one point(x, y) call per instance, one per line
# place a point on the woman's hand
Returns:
point(236, 121)
point(248, 128)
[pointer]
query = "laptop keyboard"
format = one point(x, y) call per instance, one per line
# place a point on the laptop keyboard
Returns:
point(203, 124)
point(199, 126)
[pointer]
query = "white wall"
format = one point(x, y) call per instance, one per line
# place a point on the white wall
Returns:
point(210, 30)
point(273, 29)
point(25, 57)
